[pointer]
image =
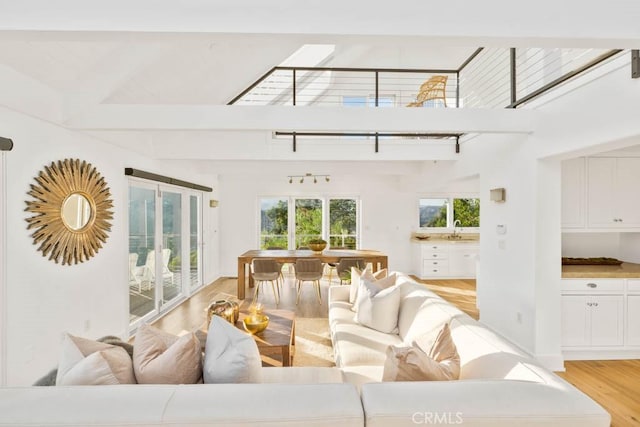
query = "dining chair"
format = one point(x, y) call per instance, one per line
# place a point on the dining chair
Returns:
point(331, 266)
point(343, 270)
point(266, 270)
point(309, 270)
point(434, 88)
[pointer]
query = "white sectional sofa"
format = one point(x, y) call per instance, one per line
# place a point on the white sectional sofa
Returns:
point(500, 384)
point(287, 397)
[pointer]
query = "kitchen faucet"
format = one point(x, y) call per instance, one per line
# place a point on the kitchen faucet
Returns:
point(456, 223)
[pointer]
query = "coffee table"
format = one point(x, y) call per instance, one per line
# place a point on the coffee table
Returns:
point(279, 337)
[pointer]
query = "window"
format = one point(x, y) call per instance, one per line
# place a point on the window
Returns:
point(274, 220)
point(443, 212)
point(333, 219)
point(343, 222)
point(368, 101)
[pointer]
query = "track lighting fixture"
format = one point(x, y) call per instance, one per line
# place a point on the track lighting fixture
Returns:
point(308, 175)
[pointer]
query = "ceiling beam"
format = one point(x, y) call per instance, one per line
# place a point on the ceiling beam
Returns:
point(287, 118)
point(568, 23)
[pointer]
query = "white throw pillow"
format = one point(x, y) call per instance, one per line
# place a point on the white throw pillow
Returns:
point(163, 358)
point(230, 356)
point(378, 308)
point(383, 283)
point(87, 362)
point(357, 275)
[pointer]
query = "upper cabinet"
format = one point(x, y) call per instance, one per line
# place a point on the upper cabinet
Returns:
point(612, 184)
point(600, 193)
point(573, 193)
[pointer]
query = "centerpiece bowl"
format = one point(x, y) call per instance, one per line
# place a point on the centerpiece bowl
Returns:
point(255, 323)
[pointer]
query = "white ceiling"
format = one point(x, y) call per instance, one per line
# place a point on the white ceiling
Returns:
point(77, 58)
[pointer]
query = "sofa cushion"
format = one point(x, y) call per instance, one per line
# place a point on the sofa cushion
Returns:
point(162, 358)
point(429, 319)
point(88, 362)
point(231, 356)
point(301, 375)
point(358, 275)
point(355, 344)
point(430, 359)
point(377, 308)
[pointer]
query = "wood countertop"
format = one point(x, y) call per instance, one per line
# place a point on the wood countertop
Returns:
point(625, 270)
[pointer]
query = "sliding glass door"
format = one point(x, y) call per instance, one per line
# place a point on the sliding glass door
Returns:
point(142, 243)
point(171, 257)
point(165, 228)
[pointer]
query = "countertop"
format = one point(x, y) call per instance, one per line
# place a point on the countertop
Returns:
point(626, 269)
point(443, 238)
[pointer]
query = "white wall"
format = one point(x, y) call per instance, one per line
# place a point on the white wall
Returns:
point(585, 245)
point(518, 272)
point(3, 274)
point(44, 299)
point(389, 204)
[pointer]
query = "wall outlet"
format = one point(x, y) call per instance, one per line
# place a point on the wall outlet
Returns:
point(87, 325)
point(519, 317)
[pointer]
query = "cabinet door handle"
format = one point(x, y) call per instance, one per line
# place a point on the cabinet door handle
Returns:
point(592, 285)
point(589, 304)
point(595, 303)
point(435, 256)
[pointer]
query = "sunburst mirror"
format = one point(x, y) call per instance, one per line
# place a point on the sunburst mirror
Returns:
point(71, 210)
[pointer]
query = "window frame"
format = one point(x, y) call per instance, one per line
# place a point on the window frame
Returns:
point(326, 226)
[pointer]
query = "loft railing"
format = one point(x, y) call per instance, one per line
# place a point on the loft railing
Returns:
point(489, 78)
point(333, 86)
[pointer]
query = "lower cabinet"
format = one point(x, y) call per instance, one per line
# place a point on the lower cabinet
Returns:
point(633, 320)
point(600, 319)
point(441, 260)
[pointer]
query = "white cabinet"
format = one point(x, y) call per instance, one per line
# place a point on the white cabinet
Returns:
point(611, 188)
point(633, 320)
point(448, 260)
point(573, 193)
point(462, 260)
point(592, 320)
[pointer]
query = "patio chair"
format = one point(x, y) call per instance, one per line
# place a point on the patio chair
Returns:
point(149, 271)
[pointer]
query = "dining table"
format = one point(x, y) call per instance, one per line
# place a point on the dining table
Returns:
point(377, 259)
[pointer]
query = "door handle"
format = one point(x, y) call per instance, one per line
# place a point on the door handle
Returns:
point(592, 285)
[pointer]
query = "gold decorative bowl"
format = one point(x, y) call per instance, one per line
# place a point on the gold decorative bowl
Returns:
point(255, 323)
point(317, 246)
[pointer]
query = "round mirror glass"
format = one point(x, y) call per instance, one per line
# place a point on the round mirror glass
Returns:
point(76, 211)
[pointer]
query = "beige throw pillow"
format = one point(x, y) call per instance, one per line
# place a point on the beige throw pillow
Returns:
point(357, 275)
point(162, 358)
point(377, 308)
point(88, 362)
point(439, 362)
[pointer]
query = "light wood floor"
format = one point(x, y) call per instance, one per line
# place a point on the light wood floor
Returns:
point(613, 384)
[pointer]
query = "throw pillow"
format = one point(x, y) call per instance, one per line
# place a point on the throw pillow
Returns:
point(382, 283)
point(231, 355)
point(162, 358)
point(378, 308)
point(88, 362)
point(357, 275)
point(439, 362)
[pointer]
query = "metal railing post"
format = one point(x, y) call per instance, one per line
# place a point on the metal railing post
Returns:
point(512, 60)
point(377, 80)
point(294, 87)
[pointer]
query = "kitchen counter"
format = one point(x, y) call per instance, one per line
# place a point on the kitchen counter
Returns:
point(443, 238)
point(625, 270)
